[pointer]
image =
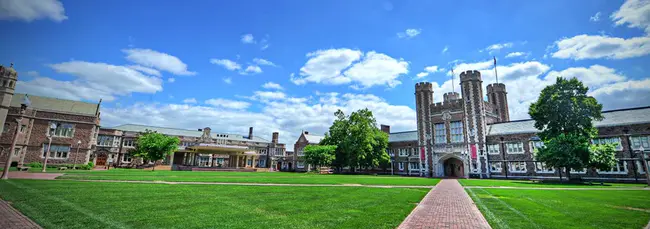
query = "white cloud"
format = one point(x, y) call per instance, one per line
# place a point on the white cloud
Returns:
point(260, 61)
point(595, 18)
point(171, 80)
point(158, 60)
point(595, 47)
point(228, 64)
point(592, 77)
point(227, 80)
point(226, 103)
point(189, 100)
point(625, 94)
point(145, 70)
point(427, 70)
point(634, 13)
point(247, 39)
point(93, 81)
point(271, 85)
point(269, 95)
point(345, 66)
point(409, 33)
point(31, 10)
point(264, 43)
point(497, 47)
point(422, 75)
point(251, 69)
point(444, 50)
point(517, 54)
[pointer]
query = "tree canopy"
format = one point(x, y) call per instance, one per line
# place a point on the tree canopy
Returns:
point(565, 113)
point(155, 146)
point(358, 141)
point(319, 155)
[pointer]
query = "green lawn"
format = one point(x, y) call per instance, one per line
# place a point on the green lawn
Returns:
point(521, 208)
point(525, 183)
point(244, 177)
point(74, 204)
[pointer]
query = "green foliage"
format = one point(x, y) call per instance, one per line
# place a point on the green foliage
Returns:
point(565, 113)
point(155, 146)
point(35, 164)
point(359, 142)
point(319, 155)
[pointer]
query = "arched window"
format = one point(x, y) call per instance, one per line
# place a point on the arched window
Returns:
point(11, 84)
point(4, 83)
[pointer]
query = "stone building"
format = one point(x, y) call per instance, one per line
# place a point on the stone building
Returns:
point(76, 125)
point(304, 140)
point(469, 136)
point(198, 149)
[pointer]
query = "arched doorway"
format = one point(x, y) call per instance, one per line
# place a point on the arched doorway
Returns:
point(278, 166)
point(454, 168)
point(101, 159)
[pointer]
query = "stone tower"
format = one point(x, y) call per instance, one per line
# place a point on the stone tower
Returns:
point(497, 96)
point(423, 100)
point(474, 118)
point(8, 78)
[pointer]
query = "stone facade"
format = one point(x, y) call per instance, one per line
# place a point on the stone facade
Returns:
point(298, 161)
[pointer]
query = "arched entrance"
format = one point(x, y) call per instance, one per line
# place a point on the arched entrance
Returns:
point(101, 159)
point(454, 168)
point(278, 166)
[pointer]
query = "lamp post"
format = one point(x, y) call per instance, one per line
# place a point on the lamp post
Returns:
point(74, 166)
point(50, 135)
point(5, 172)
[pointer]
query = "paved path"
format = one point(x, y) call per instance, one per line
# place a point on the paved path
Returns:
point(10, 218)
point(38, 176)
point(540, 188)
point(446, 206)
point(259, 184)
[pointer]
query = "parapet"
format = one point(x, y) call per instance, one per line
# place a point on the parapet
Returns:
point(449, 96)
point(423, 86)
point(451, 105)
point(470, 75)
point(496, 87)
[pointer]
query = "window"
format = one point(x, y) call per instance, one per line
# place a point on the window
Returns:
point(582, 171)
point(600, 141)
point(495, 167)
point(403, 152)
point(56, 151)
point(300, 164)
point(261, 163)
point(640, 167)
point(540, 167)
point(637, 142)
point(474, 166)
point(6, 129)
point(456, 131)
point(440, 133)
point(517, 167)
point(23, 128)
point(127, 158)
point(414, 165)
point(493, 149)
point(129, 143)
point(249, 162)
point(63, 129)
point(301, 152)
point(619, 168)
point(515, 148)
point(400, 166)
point(391, 152)
point(17, 151)
point(105, 140)
point(536, 145)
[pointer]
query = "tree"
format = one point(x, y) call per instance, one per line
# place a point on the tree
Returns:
point(358, 141)
point(565, 113)
point(319, 155)
point(154, 146)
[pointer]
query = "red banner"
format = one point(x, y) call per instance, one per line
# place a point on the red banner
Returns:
point(422, 153)
point(473, 147)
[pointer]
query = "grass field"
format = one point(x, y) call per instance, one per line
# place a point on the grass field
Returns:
point(245, 177)
point(521, 208)
point(525, 183)
point(74, 204)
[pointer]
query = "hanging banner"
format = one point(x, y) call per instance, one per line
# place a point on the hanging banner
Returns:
point(473, 147)
point(422, 153)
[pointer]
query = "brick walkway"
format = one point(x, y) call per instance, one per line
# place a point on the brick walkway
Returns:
point(10, 218)
point(446, 206)
point(38, 176)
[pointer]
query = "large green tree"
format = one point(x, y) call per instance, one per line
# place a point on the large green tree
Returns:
point(154, 146)
point(319, 155)
point(359, 142)
point(564, 114)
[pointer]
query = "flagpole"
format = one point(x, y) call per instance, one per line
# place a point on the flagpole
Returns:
point(453, 86)
point(495, 68)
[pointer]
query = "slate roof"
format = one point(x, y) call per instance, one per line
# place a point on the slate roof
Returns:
point(403, 136)
point(314, 138)
point(184, 132)
point(621, 117)
point(56, 105)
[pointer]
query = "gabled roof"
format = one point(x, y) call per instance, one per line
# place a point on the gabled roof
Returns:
point(56, 105)
point(403, 136)
point(639, 115)
point(184, 132)
point(315, 139)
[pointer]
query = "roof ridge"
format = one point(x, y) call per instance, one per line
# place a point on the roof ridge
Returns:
point(400, 132)
point(55, 98)
point(607, 111)
point(170, 128)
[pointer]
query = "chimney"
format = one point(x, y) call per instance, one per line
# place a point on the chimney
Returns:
point(385, 128)
point(306, 132)
point(250, 133)
point(275, 137)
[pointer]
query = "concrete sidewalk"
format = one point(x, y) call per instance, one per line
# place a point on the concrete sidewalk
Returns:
point(10, 218)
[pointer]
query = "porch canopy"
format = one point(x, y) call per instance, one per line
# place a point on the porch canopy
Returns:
point(218, 156)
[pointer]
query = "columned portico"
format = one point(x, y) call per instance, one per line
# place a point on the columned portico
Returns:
point(205, 156)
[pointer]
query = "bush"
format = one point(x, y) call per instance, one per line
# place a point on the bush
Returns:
point(35, 164)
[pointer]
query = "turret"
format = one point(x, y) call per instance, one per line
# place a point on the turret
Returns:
point(474, 118)
point(498, 96)
point(423, 100)
point(8, 78)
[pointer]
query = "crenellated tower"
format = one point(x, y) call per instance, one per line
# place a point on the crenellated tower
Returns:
point(8, 78)
point(498, 97)
point(474, 119)
point(423, 100)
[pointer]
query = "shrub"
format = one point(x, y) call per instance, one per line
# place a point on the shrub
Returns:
point(35, 164)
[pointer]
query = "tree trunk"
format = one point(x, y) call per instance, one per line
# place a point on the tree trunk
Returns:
point(154, 166)
point(568, 174)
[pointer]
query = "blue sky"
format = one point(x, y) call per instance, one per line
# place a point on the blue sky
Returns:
point(206, 63)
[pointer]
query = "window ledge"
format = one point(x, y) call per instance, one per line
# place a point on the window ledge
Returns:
point(517, 171)
point(545, 172)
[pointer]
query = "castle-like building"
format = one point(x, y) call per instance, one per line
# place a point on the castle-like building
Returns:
point(469, 136)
